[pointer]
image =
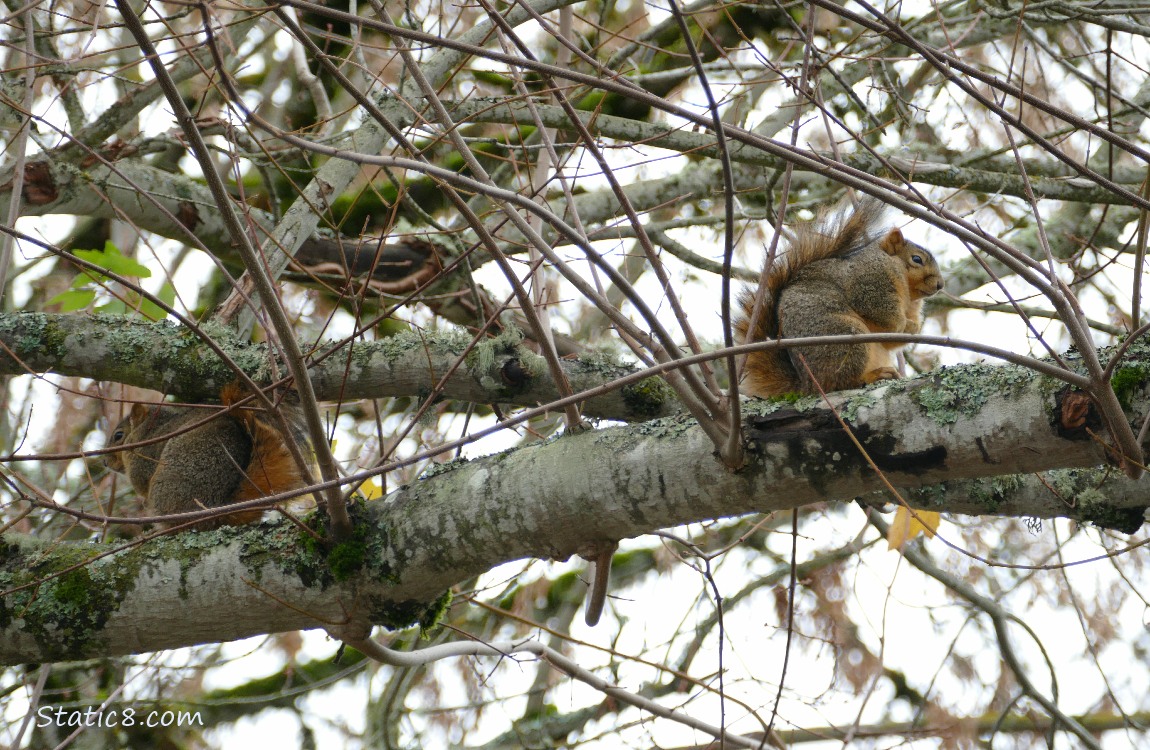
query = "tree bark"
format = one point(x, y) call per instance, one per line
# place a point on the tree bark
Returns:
point(174, 360)
point(553, 499)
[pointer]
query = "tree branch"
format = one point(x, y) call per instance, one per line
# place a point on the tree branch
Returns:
point(540, 501)
point(161, 357)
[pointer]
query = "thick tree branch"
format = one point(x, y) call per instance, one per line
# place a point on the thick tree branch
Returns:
point(162, 357)
point(542, 501)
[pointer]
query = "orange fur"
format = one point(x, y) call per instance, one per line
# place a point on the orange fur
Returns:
point(839, 277)
point(238, 457)
point(272, 469)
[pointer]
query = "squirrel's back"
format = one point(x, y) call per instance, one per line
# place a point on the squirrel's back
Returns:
point(190, 464)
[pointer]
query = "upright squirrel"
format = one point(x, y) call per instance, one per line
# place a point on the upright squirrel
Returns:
point(839, 277)
point(232, 458)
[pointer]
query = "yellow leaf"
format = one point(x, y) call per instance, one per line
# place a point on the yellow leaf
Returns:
point(372, 489)
point(906, 527)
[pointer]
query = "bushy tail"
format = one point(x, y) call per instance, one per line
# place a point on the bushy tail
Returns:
point(272, 469)
point(771, 372)
point(768, 372)
point(837, 236)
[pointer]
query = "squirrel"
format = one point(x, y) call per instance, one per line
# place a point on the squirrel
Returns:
point(235, 457)
point(839, 277)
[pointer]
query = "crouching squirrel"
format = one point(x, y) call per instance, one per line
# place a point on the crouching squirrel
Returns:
point(235, 457)
point(839, 277)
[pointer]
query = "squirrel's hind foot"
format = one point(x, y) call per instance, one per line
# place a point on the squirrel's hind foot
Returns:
point(880, 373)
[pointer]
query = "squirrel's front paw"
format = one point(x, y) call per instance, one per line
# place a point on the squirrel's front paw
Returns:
point(880, 373)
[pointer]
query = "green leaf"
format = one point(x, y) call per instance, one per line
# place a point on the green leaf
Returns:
point(73, 299)
point(112, 260)
point(115, 307)
point(151, 310)
point(167, 293)
point(89, 285)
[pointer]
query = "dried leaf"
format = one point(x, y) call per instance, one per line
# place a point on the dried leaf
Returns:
point(906, 526)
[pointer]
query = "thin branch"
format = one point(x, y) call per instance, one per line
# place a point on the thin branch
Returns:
point(1000, 620)
point(341, 523)
point(559, 662)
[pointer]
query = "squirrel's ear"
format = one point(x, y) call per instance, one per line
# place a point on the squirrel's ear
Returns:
point(892, 241)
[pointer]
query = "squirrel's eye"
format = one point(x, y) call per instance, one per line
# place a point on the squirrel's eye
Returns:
point(117, 436)
point(917, 259)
